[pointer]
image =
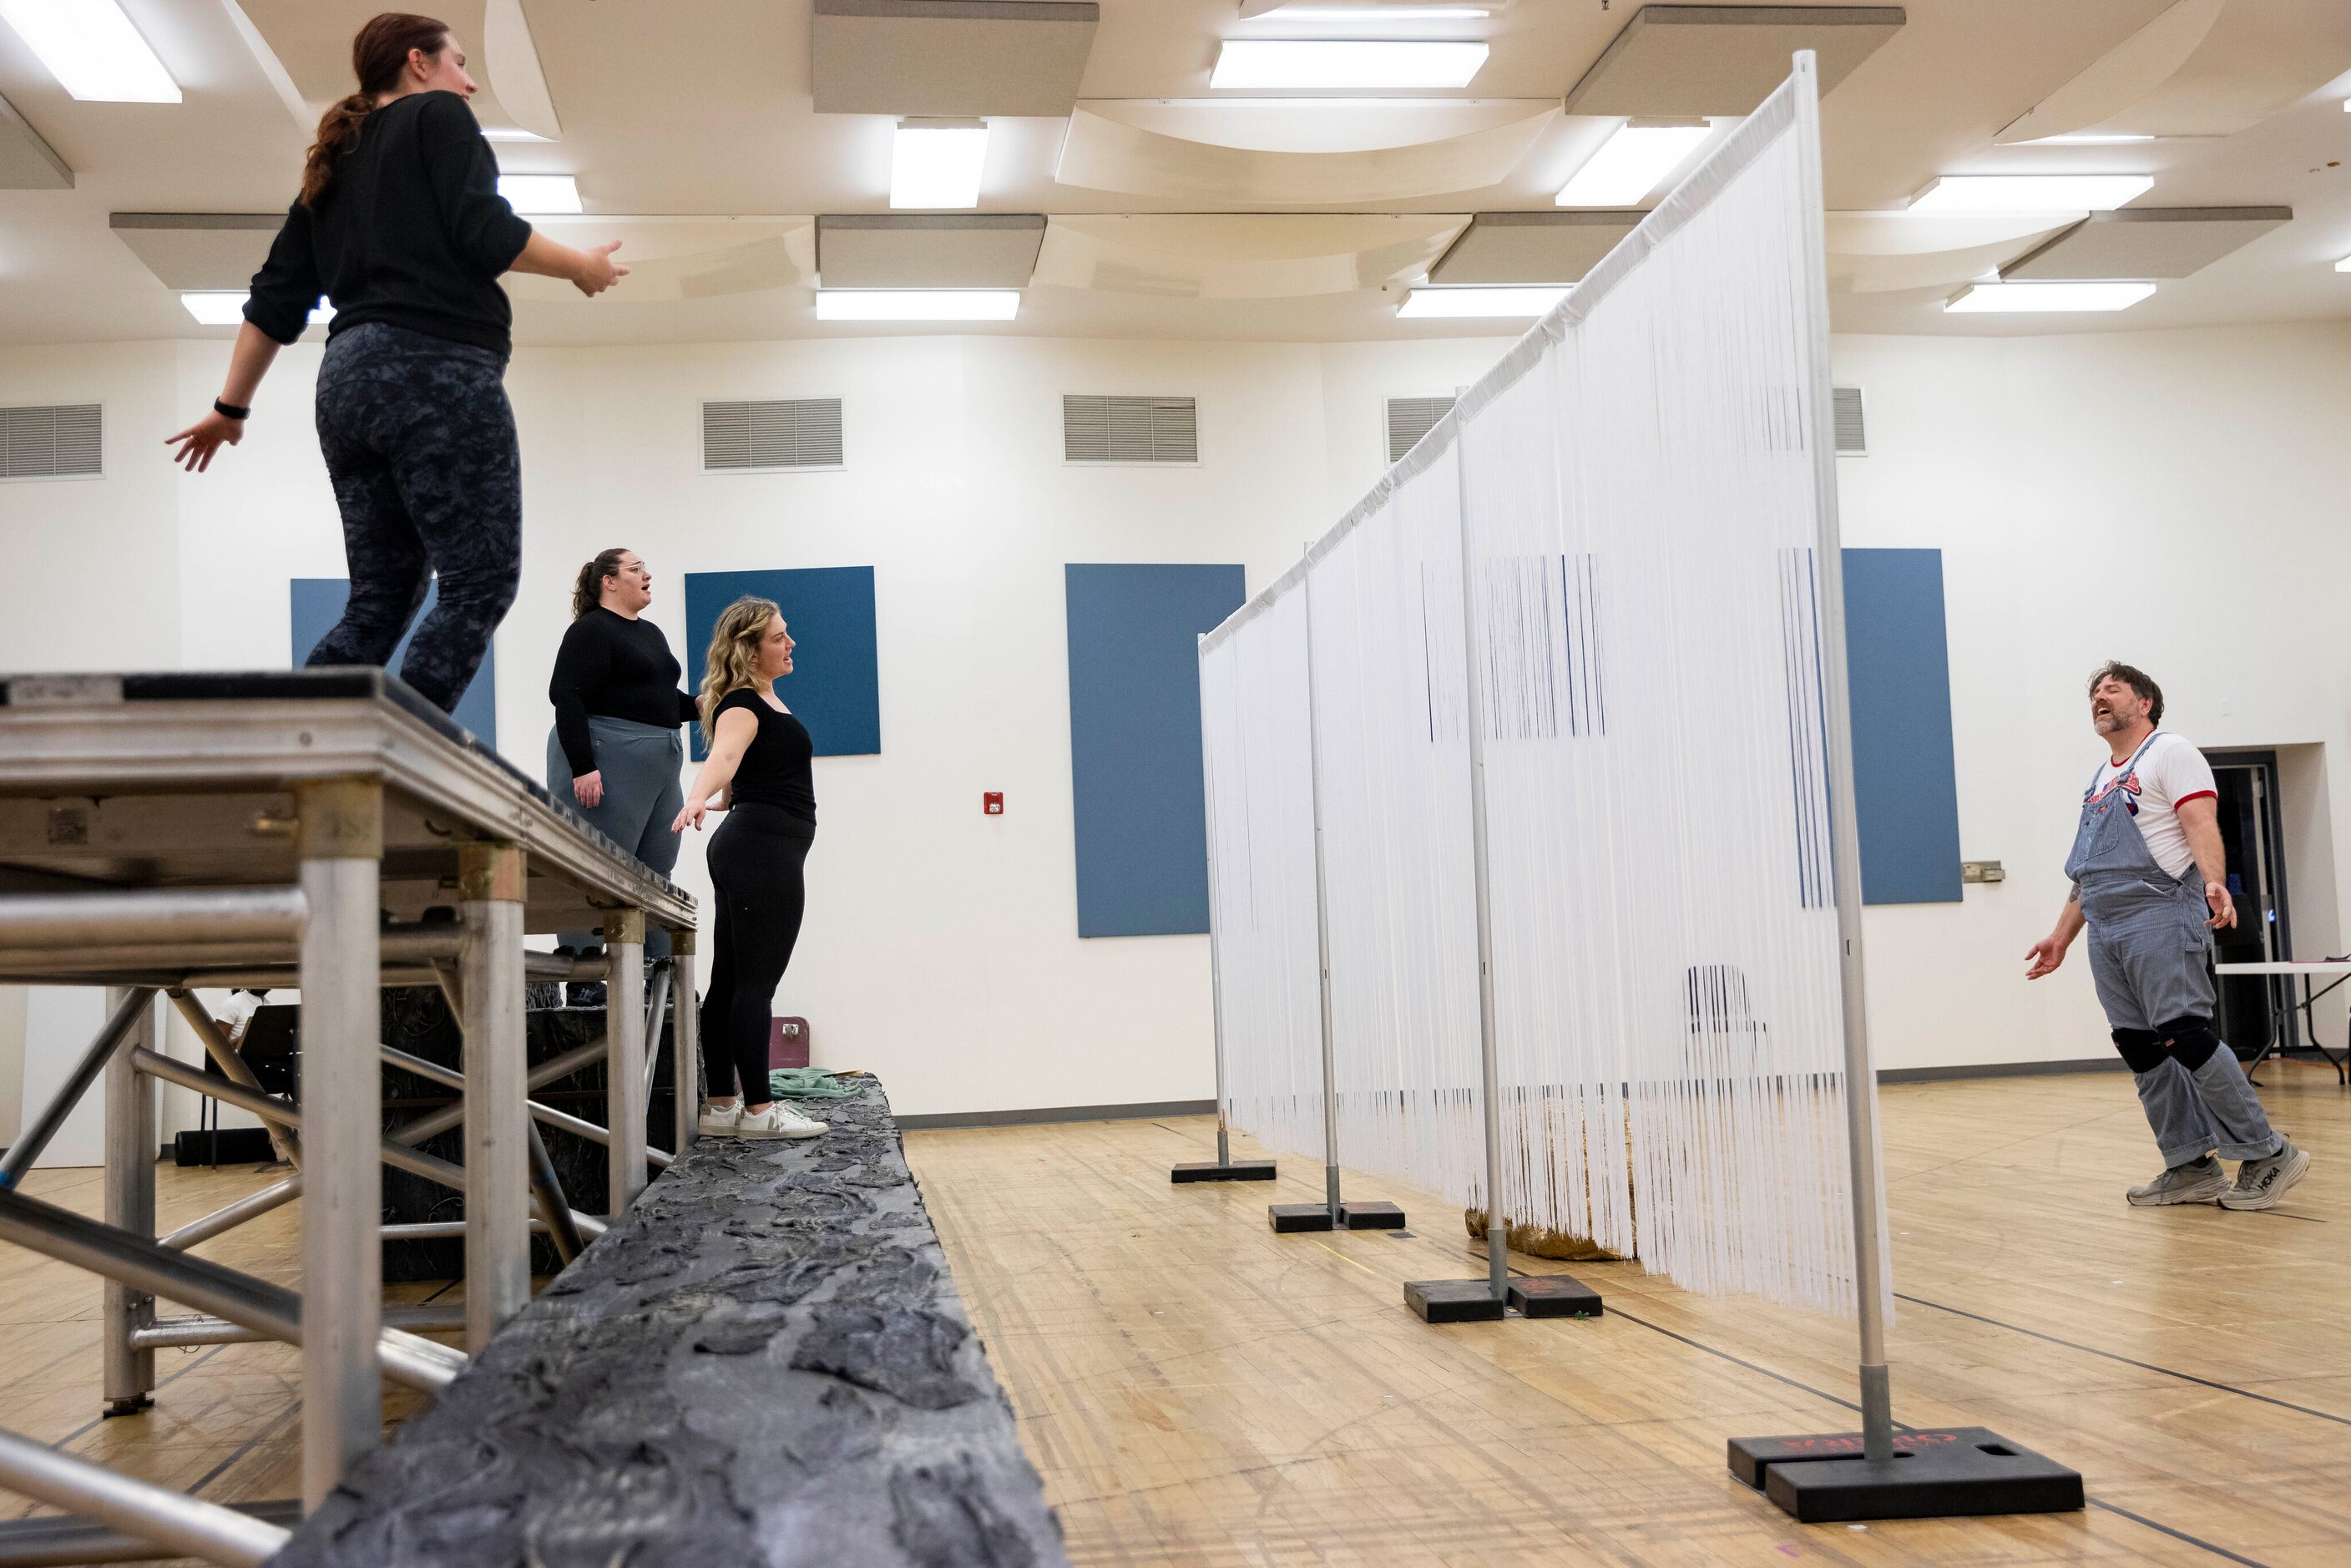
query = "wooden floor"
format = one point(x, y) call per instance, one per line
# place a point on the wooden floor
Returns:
point(1197, 1391)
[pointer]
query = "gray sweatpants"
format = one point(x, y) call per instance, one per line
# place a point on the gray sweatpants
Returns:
point(642, 795)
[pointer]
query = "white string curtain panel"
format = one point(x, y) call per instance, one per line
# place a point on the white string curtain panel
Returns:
point(1384, 596)
point(1643, 515)
point(1257, 749)
point(1642, 494)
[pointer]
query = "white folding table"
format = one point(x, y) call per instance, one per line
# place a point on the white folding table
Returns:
point(2307, 970)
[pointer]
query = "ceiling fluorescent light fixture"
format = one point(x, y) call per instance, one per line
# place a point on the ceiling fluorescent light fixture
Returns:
point(511, 133)
point(1312, 12)
point(1459, 304)
point(2344, 266)
point(1994, 298)
point(2031, 193)
point(1630, 163)
point(937, 162)
point(540, 193)
point(224, 307)
point(1334, 65)
point(2089, 139)
point(92, 49)
point(917, 304)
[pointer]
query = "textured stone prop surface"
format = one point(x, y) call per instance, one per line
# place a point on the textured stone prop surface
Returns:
point(766, 1364)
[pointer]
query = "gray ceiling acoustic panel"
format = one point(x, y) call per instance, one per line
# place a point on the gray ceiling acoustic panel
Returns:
point(2146, 241)
point(1678, 60)
point(951, 58)
point(1531, 248)
point(199, 250)
point(26, 162)
point(928, 250)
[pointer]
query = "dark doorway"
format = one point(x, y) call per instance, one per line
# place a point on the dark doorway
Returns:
point(2255, 1012)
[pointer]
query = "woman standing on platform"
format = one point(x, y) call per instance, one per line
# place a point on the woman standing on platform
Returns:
point(761, 772)
point(614, 750)
point(401, 226)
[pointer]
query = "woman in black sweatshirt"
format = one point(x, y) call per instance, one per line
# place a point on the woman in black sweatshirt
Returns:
point(399, 224)
point(614, 750)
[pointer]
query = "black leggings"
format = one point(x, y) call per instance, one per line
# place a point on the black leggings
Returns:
point(420, 446)
point(755, 860)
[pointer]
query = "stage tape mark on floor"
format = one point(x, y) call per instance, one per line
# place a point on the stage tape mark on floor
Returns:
point(2128, 1361)
point(2180, 1535)
point(2197, 1540)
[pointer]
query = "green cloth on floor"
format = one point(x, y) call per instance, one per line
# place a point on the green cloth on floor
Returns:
point(807, 1083)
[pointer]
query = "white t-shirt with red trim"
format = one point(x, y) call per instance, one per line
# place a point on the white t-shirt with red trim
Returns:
point(2167, 775)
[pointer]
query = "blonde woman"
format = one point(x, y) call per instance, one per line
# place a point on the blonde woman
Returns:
point(759, 772)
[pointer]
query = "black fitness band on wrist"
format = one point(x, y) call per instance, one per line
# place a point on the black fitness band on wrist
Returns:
point(229, 409)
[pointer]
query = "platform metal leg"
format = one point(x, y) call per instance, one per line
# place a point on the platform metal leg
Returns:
point(685, 1034)
point(341, 845)
point(624, 1062)
point(497, 1125)
point(131, 1147)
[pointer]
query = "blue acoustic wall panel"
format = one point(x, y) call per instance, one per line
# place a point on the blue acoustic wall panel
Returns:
point(319, 603)
point(1905, 788)
point(835, 686)
point(1135, 742)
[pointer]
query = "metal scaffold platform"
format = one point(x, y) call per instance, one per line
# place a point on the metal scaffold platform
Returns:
point(324, 830)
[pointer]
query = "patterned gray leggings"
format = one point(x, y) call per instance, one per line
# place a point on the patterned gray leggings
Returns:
point(420, 446)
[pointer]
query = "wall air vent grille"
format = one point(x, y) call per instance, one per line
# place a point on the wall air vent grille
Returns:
point(1851, 439)
point(771, 434)
point(1097, 429)
point(1409, 419)
point(52, 441)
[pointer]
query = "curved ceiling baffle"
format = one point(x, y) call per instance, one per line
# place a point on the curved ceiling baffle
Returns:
point(1242, 256)
point(312, 42)
point(2203, 67)
point(1111, 148)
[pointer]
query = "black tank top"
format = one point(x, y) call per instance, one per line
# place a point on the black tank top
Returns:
point(776, 769)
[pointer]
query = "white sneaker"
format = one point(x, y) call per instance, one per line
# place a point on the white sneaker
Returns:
point(777, 1121)
point(720, 1121)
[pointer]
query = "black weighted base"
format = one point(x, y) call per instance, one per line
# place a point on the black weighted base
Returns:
point(1371, 1217)
point(1555, 1296)
point(136, 1405)
point(1942, 1474)
point(1209, 1170)
point(1454, 1301)
point(1289, 1217)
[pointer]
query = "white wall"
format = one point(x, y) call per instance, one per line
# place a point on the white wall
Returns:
point(2172, 498)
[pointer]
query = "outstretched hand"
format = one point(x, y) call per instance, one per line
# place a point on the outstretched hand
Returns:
point(198, 443)
point(598, 270)
point(690, 817)
point(2046, 955)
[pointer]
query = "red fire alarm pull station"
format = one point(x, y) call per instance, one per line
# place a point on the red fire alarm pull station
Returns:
point(992, 802)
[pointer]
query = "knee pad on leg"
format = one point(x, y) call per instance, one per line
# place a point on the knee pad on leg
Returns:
point(2192, 1040)
point(2142, 1049)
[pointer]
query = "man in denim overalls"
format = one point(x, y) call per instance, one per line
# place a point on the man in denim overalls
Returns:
point(2149, 940)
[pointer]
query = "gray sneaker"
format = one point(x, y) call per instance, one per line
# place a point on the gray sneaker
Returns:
point(2261, 1183)
point(2198, 1181)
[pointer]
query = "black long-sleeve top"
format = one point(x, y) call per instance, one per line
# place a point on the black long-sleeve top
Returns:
point(619, 668)
point(410, 232)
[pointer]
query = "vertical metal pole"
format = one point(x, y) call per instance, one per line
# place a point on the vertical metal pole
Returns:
point(624, 1059)
point(1498, 1224)
point(686, 1037)
point(1860, 1077)
point(1216, 948)
point(498, 1121)
point(1321, 920)
point(131, 1151)
point(341, 845)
